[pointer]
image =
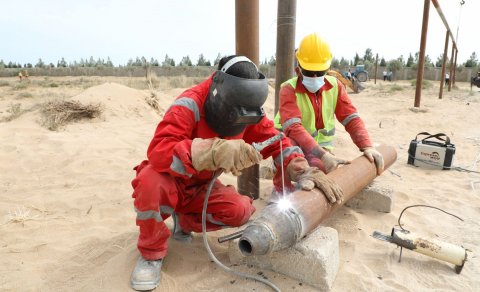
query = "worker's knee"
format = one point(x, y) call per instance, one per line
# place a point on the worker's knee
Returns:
point(150, 188)
point(238, 212)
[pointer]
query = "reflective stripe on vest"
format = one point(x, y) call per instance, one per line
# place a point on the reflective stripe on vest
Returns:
point(325, 136)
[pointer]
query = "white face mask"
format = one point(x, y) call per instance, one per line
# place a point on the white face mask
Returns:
point(313, 84)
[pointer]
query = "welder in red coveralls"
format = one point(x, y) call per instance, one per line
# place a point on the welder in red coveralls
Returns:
point(208, 127)
point(309, 104)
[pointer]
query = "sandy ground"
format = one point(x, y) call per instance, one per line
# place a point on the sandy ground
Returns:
point(68, 224)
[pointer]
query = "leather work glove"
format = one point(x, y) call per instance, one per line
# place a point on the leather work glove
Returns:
point(309, 177)
point(332, 162)
point(374, 156)
point(229, 155)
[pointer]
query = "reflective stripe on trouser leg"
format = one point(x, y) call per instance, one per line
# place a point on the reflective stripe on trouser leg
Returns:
point(155, 196)
point(226, 208)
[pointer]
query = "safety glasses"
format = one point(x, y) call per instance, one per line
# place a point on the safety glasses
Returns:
point(312, 73)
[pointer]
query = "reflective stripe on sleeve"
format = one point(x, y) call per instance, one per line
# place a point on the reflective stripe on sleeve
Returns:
point(324, 132)
point(287, 152)
point(290, 122)
point(190, 104)
point(349, 118)
point(178, 167)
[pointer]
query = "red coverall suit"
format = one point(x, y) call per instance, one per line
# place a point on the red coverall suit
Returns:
point(345, 112)
point(167, 181)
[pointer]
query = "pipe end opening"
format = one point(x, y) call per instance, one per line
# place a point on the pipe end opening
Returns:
point(245, 247)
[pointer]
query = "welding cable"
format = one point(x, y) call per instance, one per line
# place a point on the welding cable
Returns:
point(207, 246)
point(401, 213)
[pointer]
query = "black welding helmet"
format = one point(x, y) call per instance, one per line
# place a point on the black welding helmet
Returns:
point(235, 102)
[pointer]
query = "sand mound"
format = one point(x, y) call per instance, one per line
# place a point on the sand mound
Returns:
point(120, 102)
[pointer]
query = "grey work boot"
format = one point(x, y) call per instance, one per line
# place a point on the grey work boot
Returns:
point(178, 233)
point(146, 275)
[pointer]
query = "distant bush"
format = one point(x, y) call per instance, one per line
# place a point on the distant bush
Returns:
point(15, 110)
point(19, 86)
point(396, 87)
point(4, 83)
point(425, 83)
point(25, 95)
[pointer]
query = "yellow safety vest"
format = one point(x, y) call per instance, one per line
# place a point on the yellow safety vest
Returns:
point(324, 137)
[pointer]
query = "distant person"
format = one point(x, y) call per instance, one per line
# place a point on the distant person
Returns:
point(447, 78)
point(349, 75)
point(312, 102)
point(385, 75)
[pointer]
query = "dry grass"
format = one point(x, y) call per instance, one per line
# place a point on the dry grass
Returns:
point(58, 113)
point(20, 215)
point(15, 110)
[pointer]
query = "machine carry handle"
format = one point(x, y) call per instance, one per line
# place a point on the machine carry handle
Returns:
point(438, 136)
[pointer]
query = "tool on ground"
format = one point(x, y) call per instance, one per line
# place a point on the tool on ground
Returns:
point(434, 248)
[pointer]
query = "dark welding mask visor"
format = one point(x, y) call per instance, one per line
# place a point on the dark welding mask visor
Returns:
point(247, 116)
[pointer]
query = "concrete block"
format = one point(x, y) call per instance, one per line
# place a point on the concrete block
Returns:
point(314, 260)
point(373, 197)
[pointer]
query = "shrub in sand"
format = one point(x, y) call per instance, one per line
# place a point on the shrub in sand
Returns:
point(14, 111)
point(56, 114)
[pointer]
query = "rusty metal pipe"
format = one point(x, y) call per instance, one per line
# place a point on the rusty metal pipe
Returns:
point(276, 229)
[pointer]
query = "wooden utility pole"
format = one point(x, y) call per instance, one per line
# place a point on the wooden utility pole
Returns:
point(444, 63)
point(285, 57)
point(246, 44)
point(421, 57)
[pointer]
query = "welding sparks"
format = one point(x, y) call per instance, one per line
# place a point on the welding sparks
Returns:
point(284, 204)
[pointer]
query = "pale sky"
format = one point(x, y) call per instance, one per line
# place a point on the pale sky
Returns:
point(124, 29)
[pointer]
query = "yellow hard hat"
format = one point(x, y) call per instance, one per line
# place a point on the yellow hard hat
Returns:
point(314, 53)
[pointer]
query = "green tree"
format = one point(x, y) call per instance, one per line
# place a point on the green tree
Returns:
point(383, 63)
point(472, 61)
point(167, 62)
point(394, 65)
point(335, 63)
point(185, 61)
point(202, 61)
point(439, 61)
point(62, 63)
point(40, 64)
point(217, 60)
point(410, 61)
point(344, 63)
point(2, 64)
point(91, 62)
point(356, 60)
point(273, 61)
point(109, 63)
point(401, 59)
point(368, 56)
point(428, 62)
